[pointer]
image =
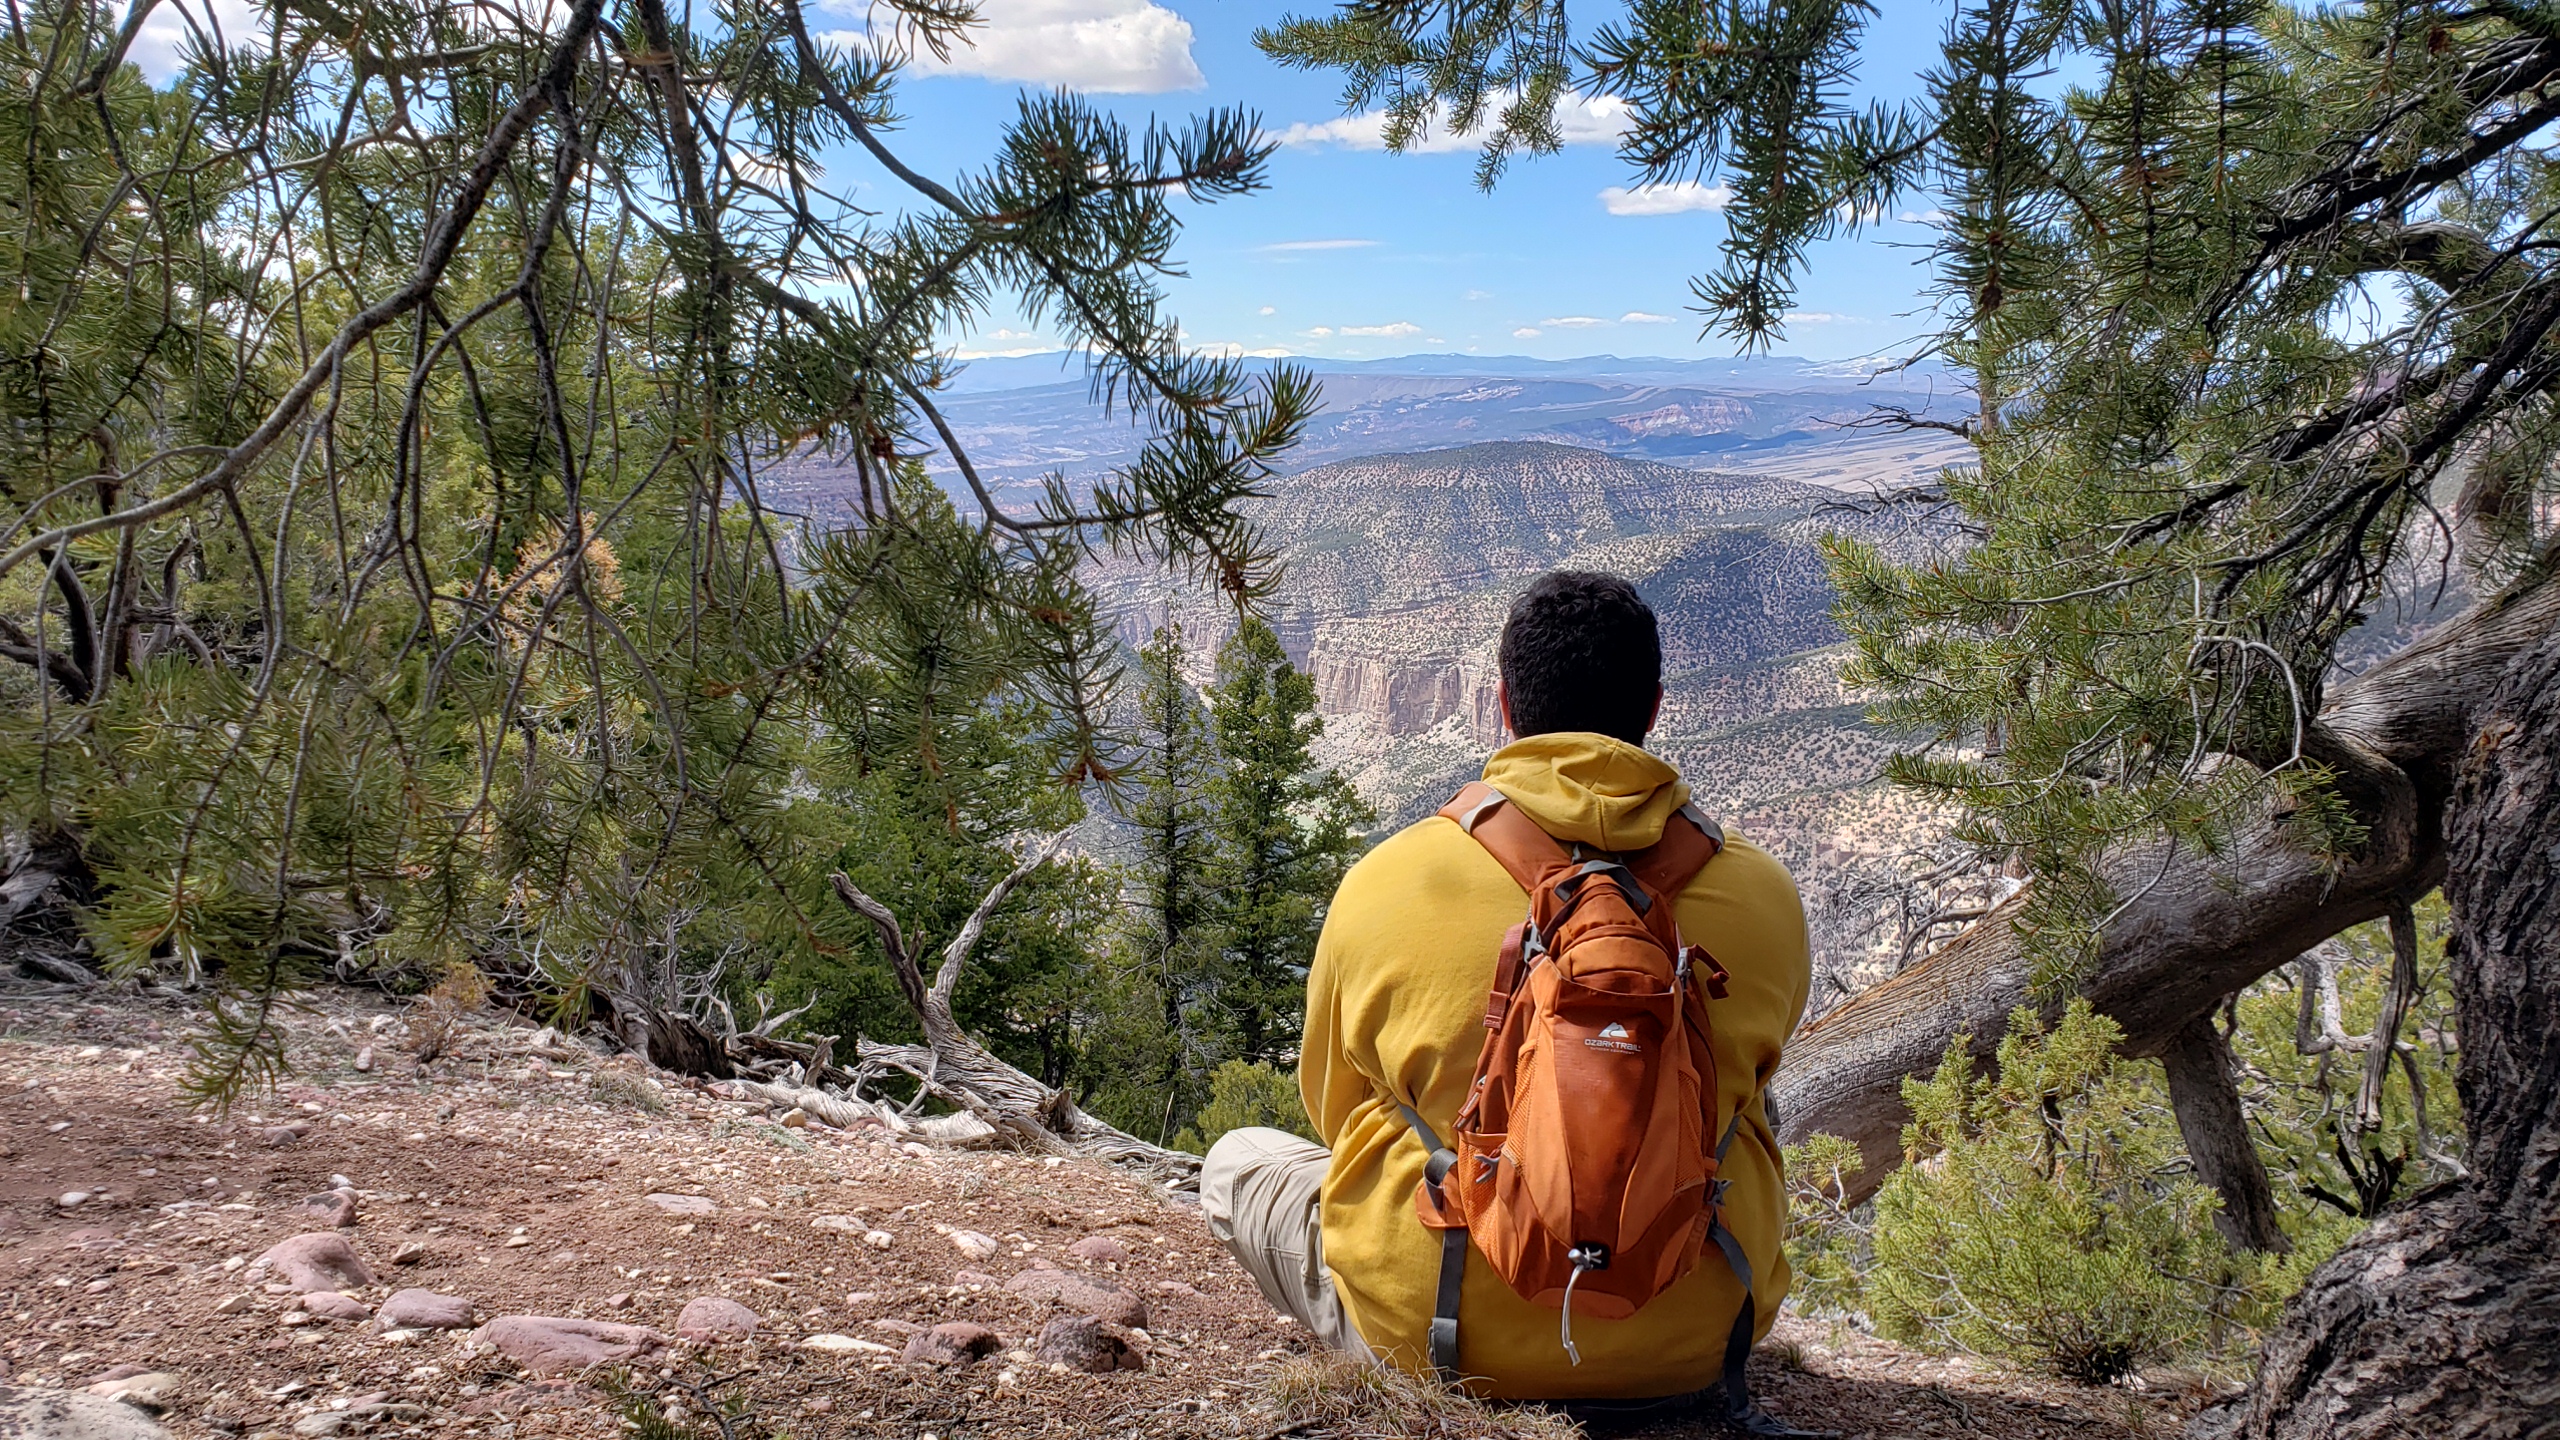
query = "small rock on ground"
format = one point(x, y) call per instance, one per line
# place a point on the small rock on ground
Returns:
point(152, 1390)
point(1100, 1248)
point(684, 1204)
point(711, 1320)
point(424, 1310)
point(321, 1260)
point(336, 1208)
point(956, 1343)
point(1082, 1343)
point(1082, 1295)
point(548, 1345)
point(69, 1415)
point(330, 1305)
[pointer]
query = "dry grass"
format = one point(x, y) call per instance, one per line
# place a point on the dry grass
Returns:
point(1337, 1396)
point(628, 1092)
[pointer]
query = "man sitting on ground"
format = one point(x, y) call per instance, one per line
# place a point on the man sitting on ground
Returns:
point(1397, 1016)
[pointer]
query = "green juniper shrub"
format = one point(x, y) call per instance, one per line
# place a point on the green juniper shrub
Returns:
point(1830, 1243)
point(2040, 1219)
point(1246, 1093)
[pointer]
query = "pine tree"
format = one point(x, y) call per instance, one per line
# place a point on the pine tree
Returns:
point(1286, 829)
point(387, 573)
point(1172, 815)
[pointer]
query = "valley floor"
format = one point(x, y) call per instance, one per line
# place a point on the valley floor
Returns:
point(529, 1175)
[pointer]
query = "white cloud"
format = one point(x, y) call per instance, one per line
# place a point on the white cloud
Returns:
point(1527, 332)
point(1821, 317)
point(1013, 352)
point(176, 23)
point(1924, 217)
point(1573, 322)
point(1672, 199)
point(1477, 295)
point(1134, 47)
point(1283, 247)
point(1391, 330)
point(1592, 121)
point(1317, 333)
point(1641, 317)
point(1232, 350)
point(1580, 120)
point(1269, 310)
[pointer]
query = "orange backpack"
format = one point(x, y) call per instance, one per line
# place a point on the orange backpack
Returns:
point(1583, 1163)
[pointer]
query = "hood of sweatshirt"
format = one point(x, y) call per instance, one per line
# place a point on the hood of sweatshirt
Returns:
point(1589, 789)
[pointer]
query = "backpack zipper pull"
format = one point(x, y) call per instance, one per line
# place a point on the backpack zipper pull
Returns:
point(1584, 1257)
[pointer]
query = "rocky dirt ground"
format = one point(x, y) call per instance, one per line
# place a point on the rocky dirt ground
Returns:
point(527, 1175)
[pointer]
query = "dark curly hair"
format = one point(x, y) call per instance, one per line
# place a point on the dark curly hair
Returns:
point(1582, 651)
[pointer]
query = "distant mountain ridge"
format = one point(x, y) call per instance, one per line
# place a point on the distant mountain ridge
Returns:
point(1400, 569)
point(1053, 367)
point(1788, 419)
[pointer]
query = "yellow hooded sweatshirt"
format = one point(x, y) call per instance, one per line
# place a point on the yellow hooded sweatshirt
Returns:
point(1395, 1008)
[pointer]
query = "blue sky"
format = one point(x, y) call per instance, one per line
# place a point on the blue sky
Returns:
point(1354, 253)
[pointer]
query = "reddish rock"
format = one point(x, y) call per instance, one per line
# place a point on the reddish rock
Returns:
point(1080, 1342)
point(956, 1343)
point(974, 1277)
point(125, 1371)
point(281, 1135)
point(330, 1305)
point(1177, 1287)
point(547, 1345)
point(424, 1310)
point(335, 1208)
point(322, 1260)
point(1101, 1249)
point(897, 1327)
point(1082, 1295)
point(711, 1320)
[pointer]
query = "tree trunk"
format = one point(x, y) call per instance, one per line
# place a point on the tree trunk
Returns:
point(2203, 927)
point(2216, 1130)
point(2443, 1320)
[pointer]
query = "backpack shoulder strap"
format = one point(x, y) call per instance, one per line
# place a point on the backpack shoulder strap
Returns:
point(1689, 840)
point(1526, 852)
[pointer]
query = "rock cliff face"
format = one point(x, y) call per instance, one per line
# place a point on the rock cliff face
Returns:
point(1400, 569)
point(1406, 696)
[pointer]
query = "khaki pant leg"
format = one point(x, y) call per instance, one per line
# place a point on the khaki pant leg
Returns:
point(1259, 1190)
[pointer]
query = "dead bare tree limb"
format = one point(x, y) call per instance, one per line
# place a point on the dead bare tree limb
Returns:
point(952, 1066)
point(2210, 925)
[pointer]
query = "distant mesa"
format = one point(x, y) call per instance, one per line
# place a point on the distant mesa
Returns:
point(1024, 420)
point(1399, 569)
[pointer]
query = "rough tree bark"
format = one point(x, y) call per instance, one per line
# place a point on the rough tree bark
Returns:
point(2443, 1319)
point(2202, 927)
point(2216, 1129)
